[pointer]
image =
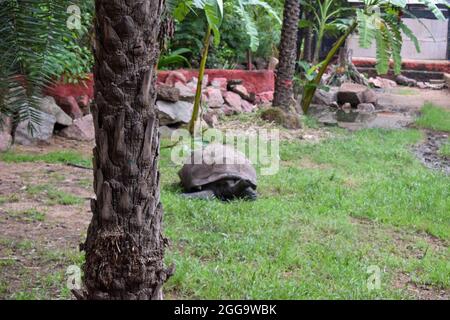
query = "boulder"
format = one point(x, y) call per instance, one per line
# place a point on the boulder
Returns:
point(186, 93)
point(5, 134)
point(355, 94)
point(233, 100)
point(174, 112)
point(247, 106)
point(70, 106)
point(325, 98)
point(168, 93)
point(220, 83)
point(243, 92)
point(49, 106)
point(166, 132)
point(214, 97)
point(212, 119)
point(42, 133)
point(194, 81)
point(382, 83)
point(82, 129)
point(264, 97)
point(174, 77)
point(405, 81)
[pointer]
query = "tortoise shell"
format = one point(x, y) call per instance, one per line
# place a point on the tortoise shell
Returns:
point(214, 163)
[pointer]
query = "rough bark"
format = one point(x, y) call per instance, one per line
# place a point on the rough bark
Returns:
point(288, 46)
point(125, 246)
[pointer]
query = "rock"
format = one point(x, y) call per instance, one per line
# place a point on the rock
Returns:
point(421, 85)
point(5, 134)
point(81, 129)
point(168, 93)
point(174, 77)
point(233, 100)
point(214, 97)
point(43, 132)
point(228, 111)
point(383, 83)
point(220, 83)
point(70, 106)
point(194, 81)
point(242, 92)
point(273, 63)
point(366, 108)
point(166, 132)
point(325, 98)
point(211, 119)
point(247, 106)
point(49, 106)
point(355, 94)
point(281, 117)
point(436, 86)
point(447, 79)
point(174, 112)
point(405, 81)
point(264, 97)
point(186, 93)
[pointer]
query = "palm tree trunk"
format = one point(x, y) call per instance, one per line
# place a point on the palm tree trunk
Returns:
point(284, 83)
point(125, 246)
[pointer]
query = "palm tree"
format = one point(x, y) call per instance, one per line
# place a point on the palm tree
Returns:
point(125, 246)
point(284, 83)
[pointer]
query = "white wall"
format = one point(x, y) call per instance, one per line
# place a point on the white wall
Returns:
point(432, 38)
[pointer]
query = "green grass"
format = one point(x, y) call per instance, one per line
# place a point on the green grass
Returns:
point(335, 208)
point(305, 236)
point(54, 196)
point(28, 215)
point(435, 118)
point(445, 149)
point(64, 157)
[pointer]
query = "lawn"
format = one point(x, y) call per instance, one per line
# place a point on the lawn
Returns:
point(336, 210)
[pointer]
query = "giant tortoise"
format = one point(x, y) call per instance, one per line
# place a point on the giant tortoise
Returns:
point(218, 171)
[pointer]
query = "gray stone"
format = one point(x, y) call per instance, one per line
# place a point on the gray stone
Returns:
point(49, 106)
point(186, 93)
point(214, 97)
point(174, 112)
point(166, 132)
point(325, 98)
point(405, 81)
point(234, 101)
point(43, 132)
point(167, 93)
point(82, 129)
point(355, 94)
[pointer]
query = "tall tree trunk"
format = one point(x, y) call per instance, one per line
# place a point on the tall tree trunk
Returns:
point(125, 246)
point(288, 52)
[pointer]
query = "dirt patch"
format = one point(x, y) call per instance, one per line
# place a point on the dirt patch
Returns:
point(428, 152)
point(39, 236)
